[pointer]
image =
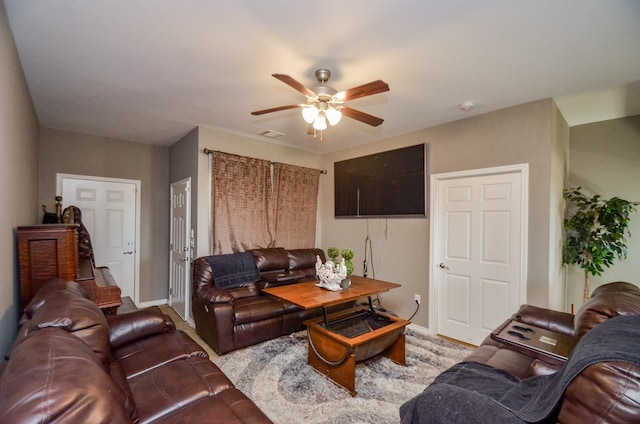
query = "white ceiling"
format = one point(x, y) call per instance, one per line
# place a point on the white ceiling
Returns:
point(151, 70)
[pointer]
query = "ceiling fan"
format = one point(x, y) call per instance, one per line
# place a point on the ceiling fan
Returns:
point(326, 104)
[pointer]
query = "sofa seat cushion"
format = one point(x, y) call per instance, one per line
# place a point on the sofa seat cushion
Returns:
point(505, 359)
point(170, 387)
point(252, 309)
point(53, 376)
point(230, 406)
point(290, 308)
point(149, 353)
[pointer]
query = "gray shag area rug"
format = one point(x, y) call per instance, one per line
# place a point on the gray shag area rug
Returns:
point(276, 376)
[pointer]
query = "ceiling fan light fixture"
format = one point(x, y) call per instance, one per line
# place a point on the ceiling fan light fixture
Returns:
point(320, 123)
point(333, 116)
point(309, 114)
point(323, 105)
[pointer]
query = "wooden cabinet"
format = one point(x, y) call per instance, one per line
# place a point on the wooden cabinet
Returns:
point(50, 251)
point(46, 252)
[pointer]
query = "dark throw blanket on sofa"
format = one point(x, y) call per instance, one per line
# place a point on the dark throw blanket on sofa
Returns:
point(473, 392)
point(233, 270)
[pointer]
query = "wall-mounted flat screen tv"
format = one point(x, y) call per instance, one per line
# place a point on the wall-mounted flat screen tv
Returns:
point(385, 184)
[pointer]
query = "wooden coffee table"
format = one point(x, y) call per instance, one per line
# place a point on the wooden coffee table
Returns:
point(338, 341)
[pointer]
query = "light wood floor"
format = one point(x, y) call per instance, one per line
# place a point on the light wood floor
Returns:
point(182, 325)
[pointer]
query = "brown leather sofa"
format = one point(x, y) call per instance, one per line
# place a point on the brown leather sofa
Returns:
point(606, 392)
point(229, 318)
point(72, 364)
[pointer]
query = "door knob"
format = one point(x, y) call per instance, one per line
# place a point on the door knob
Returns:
point(443, 266)
point(128, 252)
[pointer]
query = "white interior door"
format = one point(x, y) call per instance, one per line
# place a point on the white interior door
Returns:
point(109, 212)
point(180, 247)
point(480, 255)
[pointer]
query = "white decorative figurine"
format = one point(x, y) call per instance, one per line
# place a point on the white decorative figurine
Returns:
point(329, 275)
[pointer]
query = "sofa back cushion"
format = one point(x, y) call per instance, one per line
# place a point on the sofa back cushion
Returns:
point(204, 286)
point(607, 301)
point(53, 376)
point(132, 327)
point(271, 260)
point(54, 288)
point(79, 317)
point(302, 262)
point(304, 258)
point(233, 270)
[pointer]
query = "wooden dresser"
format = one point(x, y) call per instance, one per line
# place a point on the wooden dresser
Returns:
point(50, 251)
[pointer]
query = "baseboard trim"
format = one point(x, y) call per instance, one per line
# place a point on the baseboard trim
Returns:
point(157, 302)
point(420, 329)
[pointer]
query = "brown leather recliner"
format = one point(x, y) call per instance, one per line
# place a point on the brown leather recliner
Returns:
point(604, 392)
point(229, 318)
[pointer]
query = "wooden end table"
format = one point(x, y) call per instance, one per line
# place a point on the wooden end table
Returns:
point(338, 341)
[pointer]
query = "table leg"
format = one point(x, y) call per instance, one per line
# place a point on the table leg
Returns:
point(396, 352)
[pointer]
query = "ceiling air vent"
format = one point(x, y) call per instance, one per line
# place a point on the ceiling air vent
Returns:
point(272, 134)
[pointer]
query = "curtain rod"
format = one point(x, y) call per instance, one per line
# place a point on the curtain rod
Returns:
point(209, 151)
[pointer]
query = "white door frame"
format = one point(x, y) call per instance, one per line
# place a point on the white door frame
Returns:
point(188, 254)
point(136, 280)
point(435, 228)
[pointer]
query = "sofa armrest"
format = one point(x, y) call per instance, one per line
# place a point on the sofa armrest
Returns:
point(137, 325)
point(556, 321)
point(212, 294)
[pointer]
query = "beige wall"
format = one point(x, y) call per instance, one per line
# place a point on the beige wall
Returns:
point(521, 134)
point(18, 171)
point(559, 174)
point(605, 160)
point(81, 154)
point(183, 164)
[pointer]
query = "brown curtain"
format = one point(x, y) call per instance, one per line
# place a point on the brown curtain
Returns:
point(240, 190)
point(297, 204)
point(257, 204)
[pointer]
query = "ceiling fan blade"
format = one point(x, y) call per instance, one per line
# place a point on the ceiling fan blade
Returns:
point(294, 84)
point(374, 121)
point(275, 109)
point(369, 89)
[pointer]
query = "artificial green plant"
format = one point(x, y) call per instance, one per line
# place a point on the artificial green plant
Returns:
point(596, 232)
point(347, 254)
